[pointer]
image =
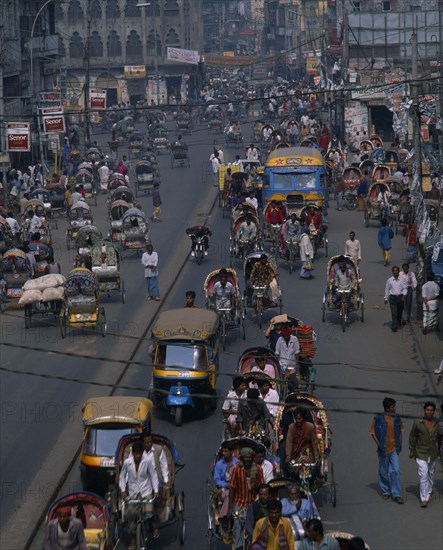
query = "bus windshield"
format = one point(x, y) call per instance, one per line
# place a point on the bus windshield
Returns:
point(293, 180)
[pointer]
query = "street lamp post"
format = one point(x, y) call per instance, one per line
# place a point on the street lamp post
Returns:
point(157, 77)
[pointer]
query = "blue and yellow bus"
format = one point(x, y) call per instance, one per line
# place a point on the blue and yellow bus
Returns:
point(295, 175)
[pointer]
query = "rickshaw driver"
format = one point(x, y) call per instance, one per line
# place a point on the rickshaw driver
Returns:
point(274, 215)
point(222, 473)
point(301, 440)
point(65, 532)
point(230, 404)
point(262, 274)
point(247, 231)
point(383, 198)
point(291, 230)
point(138, 478)
point(344, 279)
point(253, 411)
point(224, 292)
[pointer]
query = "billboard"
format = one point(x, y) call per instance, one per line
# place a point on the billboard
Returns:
point(135, 71)
point(184, 56)
point(97, 98)
point(49, 100)
point(18, 137)
point(53, 124)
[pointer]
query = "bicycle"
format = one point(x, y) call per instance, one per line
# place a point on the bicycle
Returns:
point(143, 510)
point(344, 307)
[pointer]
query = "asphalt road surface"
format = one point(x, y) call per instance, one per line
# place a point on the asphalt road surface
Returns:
point(41, 417)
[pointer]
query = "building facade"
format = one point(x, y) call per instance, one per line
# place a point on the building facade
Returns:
point(110, 41)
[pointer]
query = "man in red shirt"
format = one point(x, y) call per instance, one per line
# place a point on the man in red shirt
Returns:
point(244, 481)
point(274, 214)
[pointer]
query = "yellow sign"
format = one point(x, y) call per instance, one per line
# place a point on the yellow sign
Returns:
point(294, 161)
point(135, 71)
point(312, 66)
point(229, 54)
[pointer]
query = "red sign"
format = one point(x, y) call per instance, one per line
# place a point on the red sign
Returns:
point(97, 99)
point(18, 137)
point(53, 124)
point(249, 32)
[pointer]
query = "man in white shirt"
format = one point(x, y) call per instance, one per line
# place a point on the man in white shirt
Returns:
point(35, 224)
point(395, 292)
point(252, 200)
point(410, 282)
point(13, 224)
point(223, 291)
point(383, 199)
point(138, 479)
point(287, 350)
point(157, 454)
point(150, 263)
point(269, 396)
point(247, 232)
point(230, 404)
point(266, 466)
point(353, 248)
point(103, 173)
point(430, 292)
point(252, 152)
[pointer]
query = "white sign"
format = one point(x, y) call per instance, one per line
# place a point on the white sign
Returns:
point(18, 137)
point(97, 98)
point(184, 56)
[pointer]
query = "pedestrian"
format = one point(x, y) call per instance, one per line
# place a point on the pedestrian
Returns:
point(423, 448)
point(156, 203)
point(215, 162)
point(65, 532)
point(386, 431)
point(430, 292)
point(339, 191)
point(150, 262)
point(410, 282)
point(385, 236)
point(315, 537)
point(306, 254)
point(395, 292)
point(353, 248)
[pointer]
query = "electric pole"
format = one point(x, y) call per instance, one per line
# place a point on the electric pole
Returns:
point(87, 67)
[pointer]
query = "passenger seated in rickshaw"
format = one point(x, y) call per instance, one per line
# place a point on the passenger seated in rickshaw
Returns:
point(156, 454)
point(265, 464)
point(344, 280)
point(230, 404)
point(383, 200)
point(238, 199)
point(267, 133)
point(247, 232)
point(65, 531)
point(252, 152)
point(199, 232)
point(262, 367)
point(251, 199)
point(253, 414)
point(294, 504)
point(301, 440)
point(262, 274)
point(139, 480)
point(222, 472)
point(274, 215)
point(291, 232)
point(269, 396)
point(257, 510)
point(223, 292)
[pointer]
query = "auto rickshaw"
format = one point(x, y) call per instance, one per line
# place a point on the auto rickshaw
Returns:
point(105, 421)
point(38, 207)
point(185, 358)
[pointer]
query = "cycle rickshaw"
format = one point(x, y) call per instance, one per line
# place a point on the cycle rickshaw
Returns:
point(57, 199)
point(259, 296)
point(185, 361)
point(7, 238)
point(351, 179)
point(81, 308)
point(319, 237)
point(15, 270)
point(135, 145)
point(132, 514)
point(105, 261)
point(93, 154)
point(184, 124)
point(85, 239)
point(85, 177)
point(135, 231)
point(92, 510)
point(180, 155)
point(240, 247)
point(144, 177)
point(116, 180)
point(42, 195)
point(312, 475)
point(160, 140)
point(343, 302)
point(116, 212)
point(372, 206)
point(79, 216)
point(122, 193)
point(35, 206)
point(230, 318)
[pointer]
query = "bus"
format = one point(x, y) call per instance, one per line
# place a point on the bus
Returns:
point(296, 176)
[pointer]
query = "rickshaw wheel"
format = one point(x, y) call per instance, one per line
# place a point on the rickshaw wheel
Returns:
point(211, 540)
point(326, 246)
point(140, 540)
point(243, 329)
point(280, 307)
point(123, 292)
point(323, 311)
point(102, 322)
point(63, 326)
point(291, 267)
point(68, 243)
point(223, 331)
point(2, 305)
point(362, 311)
point(181, 528)
point(95, 200)
point(366, 218)
point(333, 486)
point(178, 418)
point(28, 309)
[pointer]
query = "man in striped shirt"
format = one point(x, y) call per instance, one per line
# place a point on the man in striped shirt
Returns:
point(245, 479)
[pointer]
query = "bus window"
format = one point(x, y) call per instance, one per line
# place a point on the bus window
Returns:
point(265, 180)
point(306, 181)
point(282, 180)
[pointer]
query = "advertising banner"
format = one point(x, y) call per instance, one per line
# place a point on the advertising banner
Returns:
point(53, 124)
point(97, 98)
point(135, 71)
point(183, 56)
point(312, 66)
point(49, 100)
point(18, 137)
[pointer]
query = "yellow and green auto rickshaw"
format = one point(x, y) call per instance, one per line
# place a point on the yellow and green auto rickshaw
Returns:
point(105, 421)
point(185, 357)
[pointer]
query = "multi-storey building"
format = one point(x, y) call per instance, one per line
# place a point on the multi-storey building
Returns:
point(104, 39)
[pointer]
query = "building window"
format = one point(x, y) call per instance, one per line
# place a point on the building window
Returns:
point(151, 45)
point(134, 48)
point(75, 13)
point(357, 6)
point(95, 45)
point(61, 47)
point(58, 12)
point(76, 47)
point(131, 9)
point(386, 6)
point(112, 9)
point(114, 45)
point(172, 38)
point(415, 8)
point(171, 6)
point(95, 10)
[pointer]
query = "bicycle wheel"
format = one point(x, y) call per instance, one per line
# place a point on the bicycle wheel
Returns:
point(343, 316)
point(140, 540)
point(223, 331)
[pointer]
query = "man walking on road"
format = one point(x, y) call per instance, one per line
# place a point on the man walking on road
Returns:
point(156, 203)
point(353, 248)
point(385, 234)
point(395, 292)
point(410, 283)
point(386, 431)
point(150, 262)
point(423, 448)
